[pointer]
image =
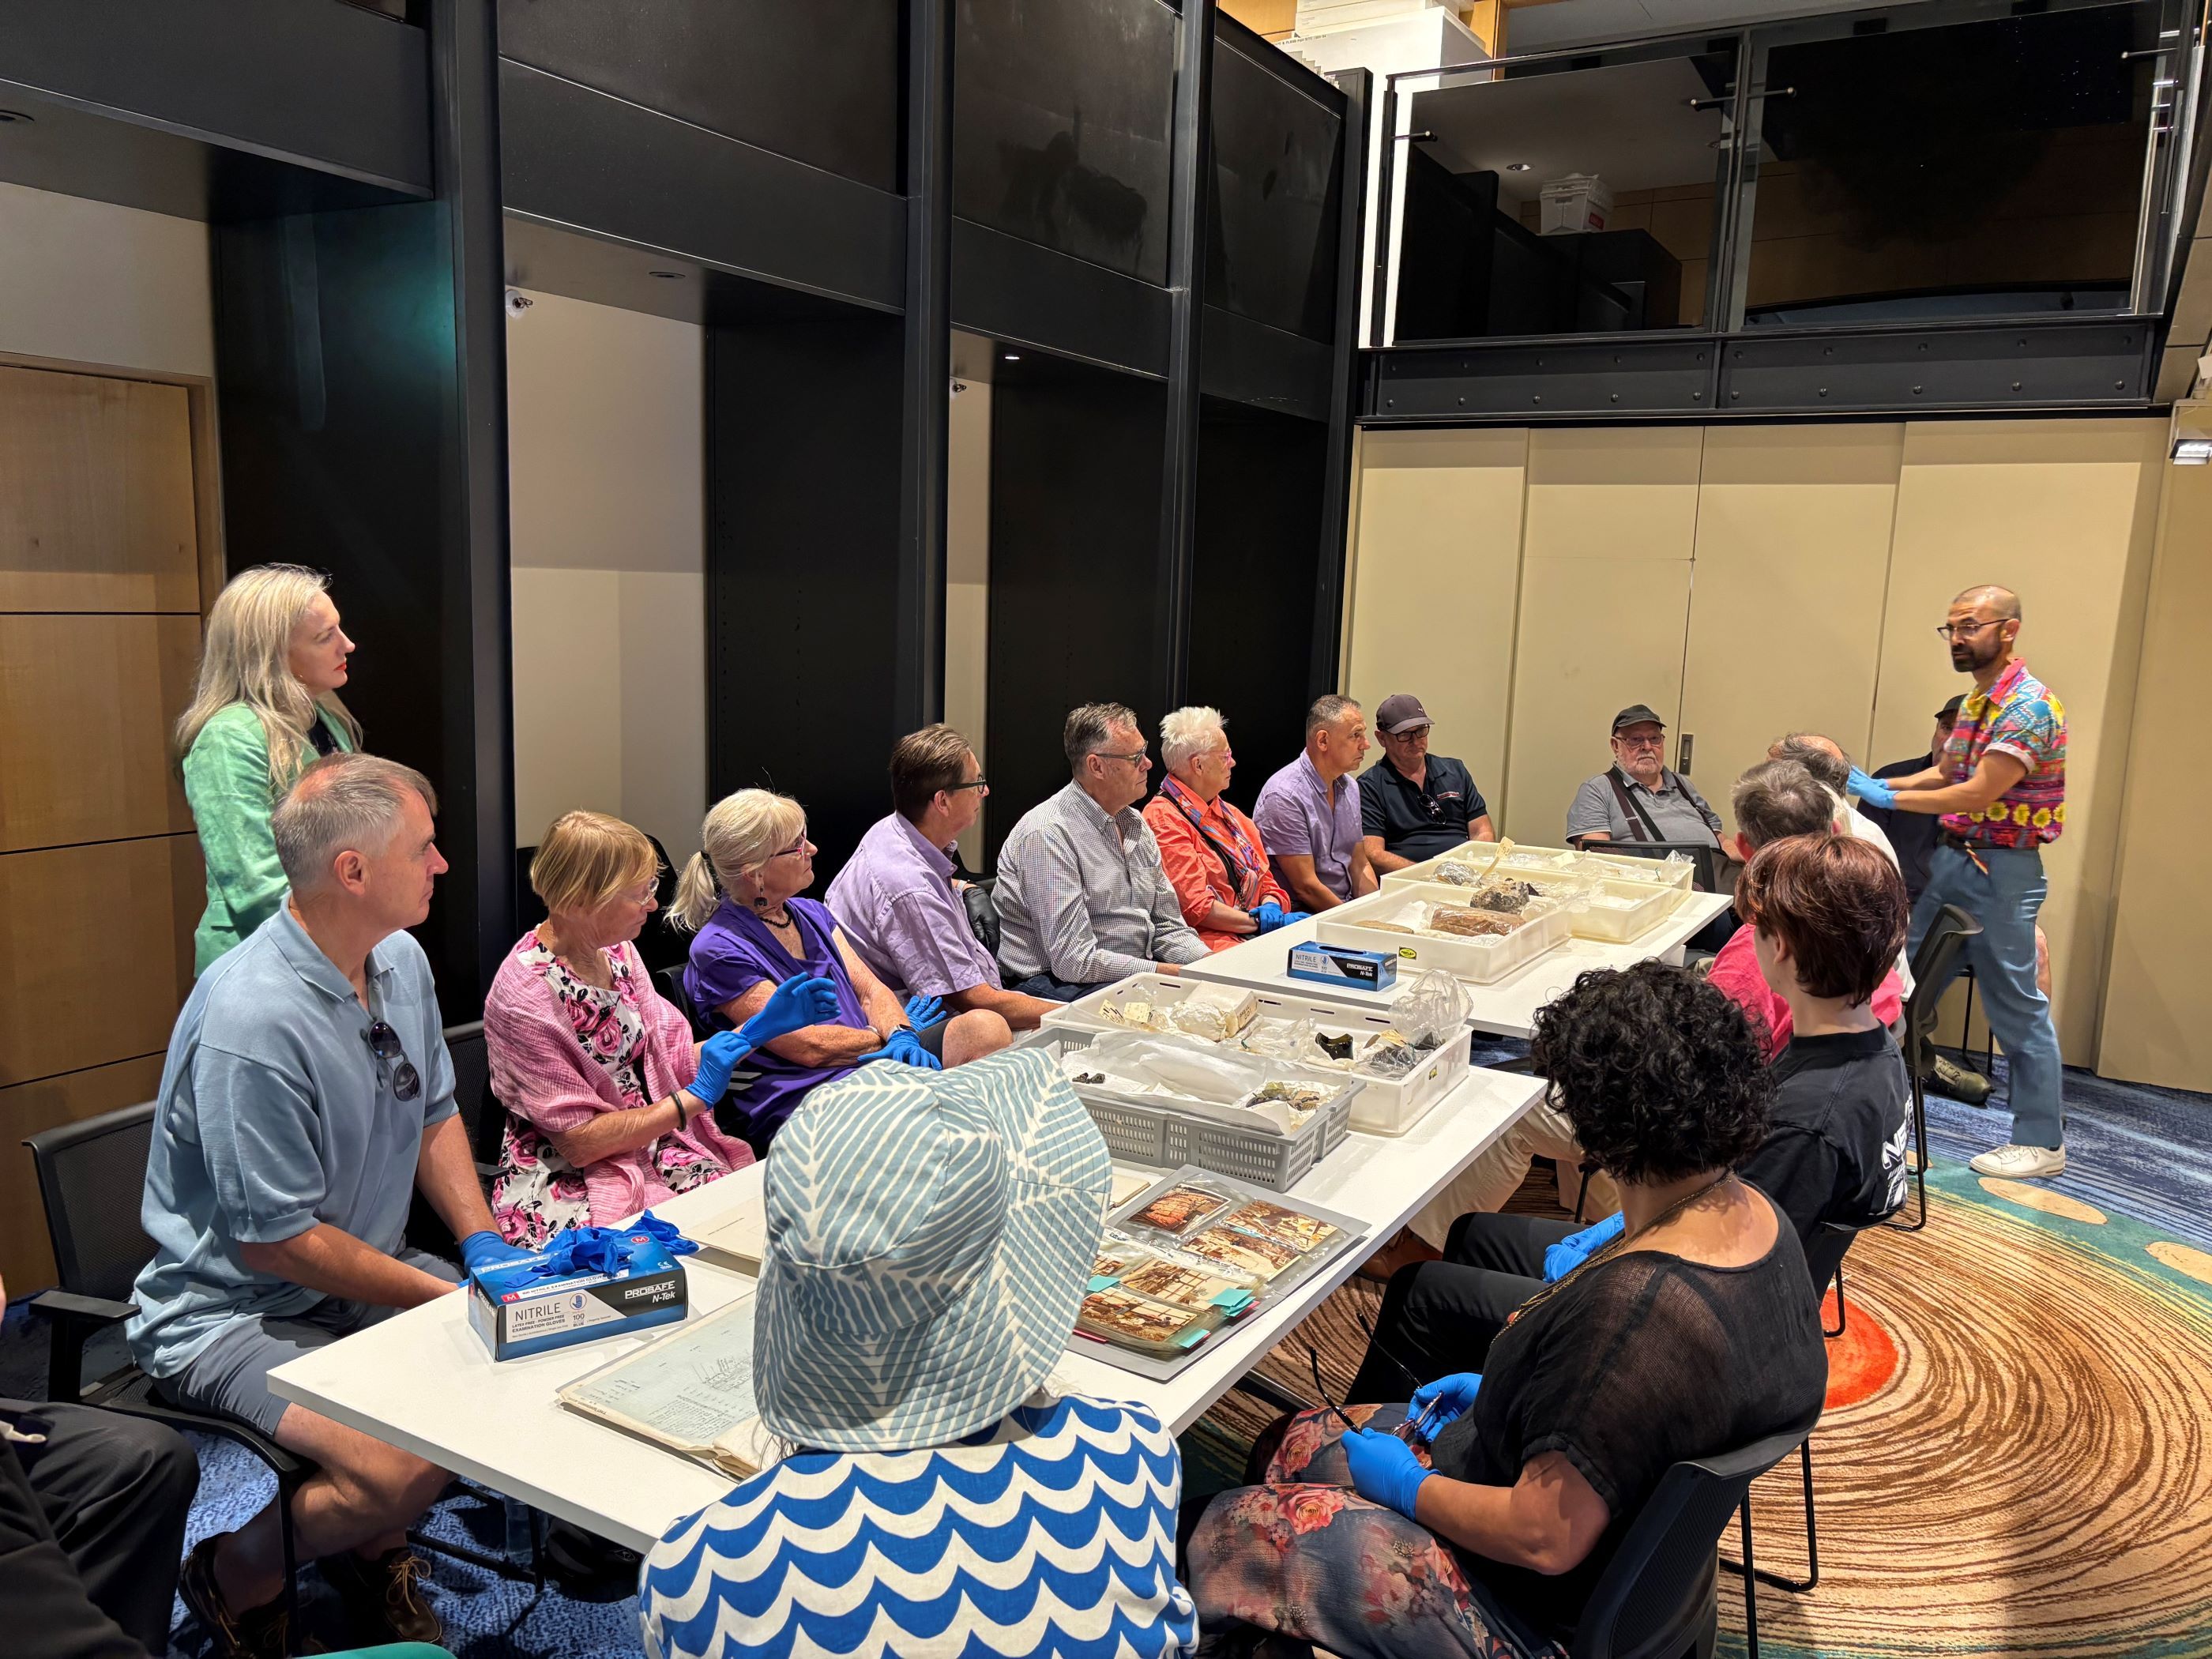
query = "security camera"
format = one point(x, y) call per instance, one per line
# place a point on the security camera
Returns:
point(518, 302)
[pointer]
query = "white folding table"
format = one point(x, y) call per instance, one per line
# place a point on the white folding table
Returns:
point(423, 1381)
point(1506, 1007)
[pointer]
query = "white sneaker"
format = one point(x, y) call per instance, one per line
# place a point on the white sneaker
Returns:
point(2021, 1163)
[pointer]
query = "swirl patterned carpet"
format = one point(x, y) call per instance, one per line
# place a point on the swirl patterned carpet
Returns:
point(2015, 1456)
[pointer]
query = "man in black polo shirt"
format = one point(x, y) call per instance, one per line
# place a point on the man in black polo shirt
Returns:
point(1413, 804)
point(1912, 835)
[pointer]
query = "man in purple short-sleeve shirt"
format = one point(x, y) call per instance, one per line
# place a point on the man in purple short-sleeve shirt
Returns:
point(1308, 813)
point(895, 900)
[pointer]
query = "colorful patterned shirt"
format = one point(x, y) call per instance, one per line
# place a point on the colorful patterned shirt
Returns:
point(2020, 717)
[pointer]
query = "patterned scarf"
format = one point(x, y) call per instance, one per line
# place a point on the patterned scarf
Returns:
point(1239, 855)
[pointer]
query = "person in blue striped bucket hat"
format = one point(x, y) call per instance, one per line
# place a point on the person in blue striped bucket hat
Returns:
point(930, 1236)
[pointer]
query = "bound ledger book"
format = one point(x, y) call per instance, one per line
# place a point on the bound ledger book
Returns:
point(691, 1391)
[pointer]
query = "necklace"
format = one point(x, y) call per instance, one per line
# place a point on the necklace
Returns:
point(1621, 1243)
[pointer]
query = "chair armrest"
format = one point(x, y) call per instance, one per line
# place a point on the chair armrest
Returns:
point(93, 1310)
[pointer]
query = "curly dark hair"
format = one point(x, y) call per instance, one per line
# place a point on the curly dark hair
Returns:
point(1660, 1073)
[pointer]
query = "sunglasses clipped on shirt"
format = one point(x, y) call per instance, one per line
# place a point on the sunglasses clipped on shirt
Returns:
point(384, 1043)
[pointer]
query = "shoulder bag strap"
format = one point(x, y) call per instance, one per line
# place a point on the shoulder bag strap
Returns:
point(1630, 808)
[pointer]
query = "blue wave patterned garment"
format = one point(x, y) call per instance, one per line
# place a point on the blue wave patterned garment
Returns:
point(1052, 1533)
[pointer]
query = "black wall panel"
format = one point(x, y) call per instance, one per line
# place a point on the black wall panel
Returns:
point(815, 82)
point(1260, 477)
point(803, 450)
point(1075, 567)
point(1275, 194)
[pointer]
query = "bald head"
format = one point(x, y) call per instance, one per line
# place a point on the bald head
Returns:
point(2001, 603)
point(1824, 757)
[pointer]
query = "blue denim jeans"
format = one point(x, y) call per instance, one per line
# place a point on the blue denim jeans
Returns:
point(2005, 901)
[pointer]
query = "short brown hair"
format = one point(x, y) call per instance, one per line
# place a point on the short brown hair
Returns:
point(923, 763)
point(1778, 799)
point(587, 857)
point(1837, 903)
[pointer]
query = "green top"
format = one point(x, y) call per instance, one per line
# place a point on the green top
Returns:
point(227, 781)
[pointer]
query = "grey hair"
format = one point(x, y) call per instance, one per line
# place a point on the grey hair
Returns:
point(342, 804)
point(1834, 769)
point(1325, 710)
point(1187, 733)
point(1091, 727)
point(1779, 799)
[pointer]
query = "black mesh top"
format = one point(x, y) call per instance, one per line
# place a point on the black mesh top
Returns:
point(1635, 1364)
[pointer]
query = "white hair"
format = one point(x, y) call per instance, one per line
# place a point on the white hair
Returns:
point(342, 804)
point(742, 833)
point(1187, 733)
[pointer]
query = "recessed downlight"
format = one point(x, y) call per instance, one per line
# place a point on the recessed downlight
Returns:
point(1516, 166)
point(667, 275)
point(14, 117)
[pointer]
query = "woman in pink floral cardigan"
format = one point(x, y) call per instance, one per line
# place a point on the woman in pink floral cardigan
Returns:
point(609, 1101)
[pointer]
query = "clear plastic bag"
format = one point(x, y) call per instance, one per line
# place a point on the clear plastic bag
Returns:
point(1203, 1074)
point(1431, 1013)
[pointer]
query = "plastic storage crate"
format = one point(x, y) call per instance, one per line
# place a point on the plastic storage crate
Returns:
point(1385, 1106)
point(1478, 960)
point(1677, 874)
point(1524, 861)
point(1648, 904)
point(1151, 1131)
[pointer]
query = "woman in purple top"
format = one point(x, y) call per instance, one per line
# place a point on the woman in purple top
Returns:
point(740, 895)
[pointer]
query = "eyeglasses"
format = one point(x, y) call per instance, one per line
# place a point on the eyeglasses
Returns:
point(794, 849)
point(1410, 1430)
point(1658, 740)
point(1136, 755)
point(384, 1043)
point(972, 783)
point(1965, 629)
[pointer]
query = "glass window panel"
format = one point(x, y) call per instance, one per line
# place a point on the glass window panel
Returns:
point(1062, 118)
point(1476, 258)
point(1271, 244)
point(1980, 169)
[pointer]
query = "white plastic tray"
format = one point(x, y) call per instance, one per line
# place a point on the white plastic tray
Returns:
point(1527, 861)
point(1385, 1106)
point(1481, 961)
point(1675, 874)
point(1650, 904)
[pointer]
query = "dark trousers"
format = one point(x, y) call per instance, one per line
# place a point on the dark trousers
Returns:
point(91, 1525)
point(1439, 1317)
point(1053, 990)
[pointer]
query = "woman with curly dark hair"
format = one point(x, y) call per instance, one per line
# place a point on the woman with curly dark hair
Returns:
point(1497, 1506)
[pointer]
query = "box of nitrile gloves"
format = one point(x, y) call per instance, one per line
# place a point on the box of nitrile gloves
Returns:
point(1341, 966)
point(519, 1309)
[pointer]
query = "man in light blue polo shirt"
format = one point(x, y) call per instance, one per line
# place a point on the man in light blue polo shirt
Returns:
point(307, 1092)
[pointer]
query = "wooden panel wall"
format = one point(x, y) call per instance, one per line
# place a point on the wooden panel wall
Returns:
point(100, 878)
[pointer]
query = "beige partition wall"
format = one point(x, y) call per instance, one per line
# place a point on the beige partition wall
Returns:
point(968, 578)
point(1610, 530)
point(2158, 996)
point(1785, 609)
point(1435, 577)
point(2065, 513)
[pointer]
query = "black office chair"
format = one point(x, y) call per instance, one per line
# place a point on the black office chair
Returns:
point(1658, 1596)
point(1932, 965)
point(484, 1119)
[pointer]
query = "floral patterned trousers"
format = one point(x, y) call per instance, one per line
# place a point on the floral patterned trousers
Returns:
point(1304, 1561)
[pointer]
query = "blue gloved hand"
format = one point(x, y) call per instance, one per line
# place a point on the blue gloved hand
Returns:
point(1570, 1252)
point(1268, 917)
point(1443, 1401)
point(798, 1002)
point(718, 1057)
point(923, 1012)
point(906, 1048)
point(1290, 916)
point(1384, 1469)
point(1873, 791)
point(488, 1249)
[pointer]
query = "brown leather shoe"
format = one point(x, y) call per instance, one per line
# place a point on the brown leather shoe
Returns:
point(384, 1597)
point(261, 1632)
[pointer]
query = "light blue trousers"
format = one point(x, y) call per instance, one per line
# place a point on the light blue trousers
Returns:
point(2005, 901)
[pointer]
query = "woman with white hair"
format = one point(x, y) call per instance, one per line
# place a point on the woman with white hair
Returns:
point(266, 705)
point(1212, 852)
point(739, 894)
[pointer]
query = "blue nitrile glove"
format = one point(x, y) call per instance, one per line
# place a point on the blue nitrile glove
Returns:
point(798, 1002)
point(666, 1234)
point(1268, 917)
point(906, 1048)
point(1293, 917)
point(718, 1057)
point(1384, 1469)
point(583, 1251)
point(1570, 1252)
point(923, 1012)
point(488, 1249)
point(1443, 1401)
point(1873, 791)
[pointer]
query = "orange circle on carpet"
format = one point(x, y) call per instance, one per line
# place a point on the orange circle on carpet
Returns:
point(1862, 1360)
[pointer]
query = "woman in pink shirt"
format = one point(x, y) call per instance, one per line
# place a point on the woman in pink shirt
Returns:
point(609, 1101)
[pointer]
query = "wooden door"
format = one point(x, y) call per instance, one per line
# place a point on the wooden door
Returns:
point(100, 878)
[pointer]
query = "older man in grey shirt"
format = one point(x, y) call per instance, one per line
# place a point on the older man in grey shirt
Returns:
point(1081, 896)
point(1639, 798)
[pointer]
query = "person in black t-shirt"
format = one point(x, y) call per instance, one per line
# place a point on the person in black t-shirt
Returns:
point(1690, 1335)
point(1912, 835)
point(1414, 805)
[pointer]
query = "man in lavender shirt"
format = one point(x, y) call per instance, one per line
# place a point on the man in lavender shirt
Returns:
point(1308, 813)
point(895, 900)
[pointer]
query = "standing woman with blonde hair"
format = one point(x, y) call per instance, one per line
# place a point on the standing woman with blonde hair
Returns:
point(266, 705)
point(739, 894)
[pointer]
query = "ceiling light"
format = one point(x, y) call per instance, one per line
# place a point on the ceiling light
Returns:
point(1011, 357)
point(1516, 166)
point(667, 275)
point(14, 117)
point(2191, 442)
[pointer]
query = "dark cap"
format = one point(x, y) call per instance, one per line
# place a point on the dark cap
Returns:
point(1949, 711)
point(1400, 713)
point(1636, 714)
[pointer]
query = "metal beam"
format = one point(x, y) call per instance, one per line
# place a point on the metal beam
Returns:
point(1359, 88)
point(918, 688)
point(1193, 162)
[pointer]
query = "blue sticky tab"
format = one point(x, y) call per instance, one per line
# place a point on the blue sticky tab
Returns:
point(1103, 1282)
point(1192, 1339)
point(1233, 1301)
